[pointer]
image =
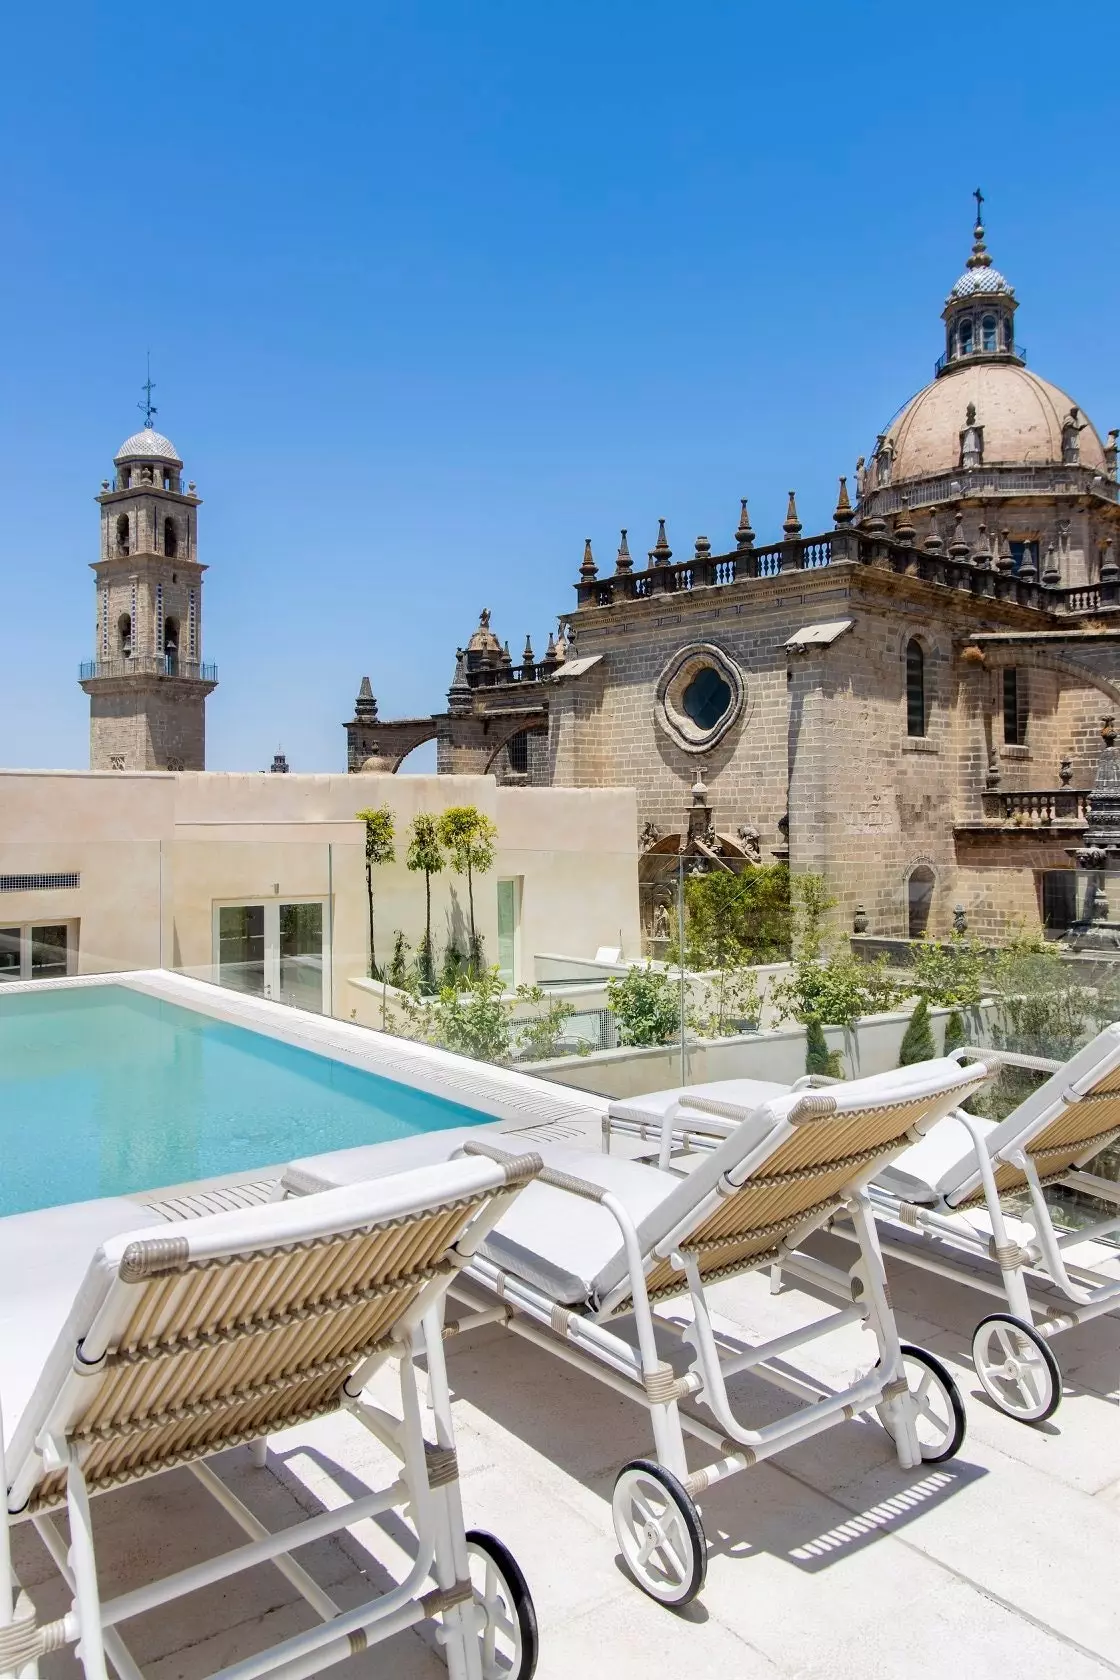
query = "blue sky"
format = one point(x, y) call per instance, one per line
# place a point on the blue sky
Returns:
point(435, 291)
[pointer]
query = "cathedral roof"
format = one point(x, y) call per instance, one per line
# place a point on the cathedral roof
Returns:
point(148, 445)
point(1022, 417)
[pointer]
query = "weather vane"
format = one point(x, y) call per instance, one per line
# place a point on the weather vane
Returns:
point(147, 407)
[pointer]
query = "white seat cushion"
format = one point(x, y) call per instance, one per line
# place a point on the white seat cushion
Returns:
point(378, 1160)
point(916, 1173)
point(652, 1108)
point(44, 1257)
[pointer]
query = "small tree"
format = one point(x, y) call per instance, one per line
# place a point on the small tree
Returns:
point(469, 838)
point(425, 853)
point(379, 850)
point(819, 1059)
point(917, 1043)
point(955, 1035)
point(646, 1004)
point(398, 966)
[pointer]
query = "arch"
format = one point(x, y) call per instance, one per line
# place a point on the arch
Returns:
point(122, 534)
point(519, 732)
point(964, 336)
point(920, 884)
point(124, 635)
point(170, 539)
point(422, 756)
point(988, 340)
point(917, 709)
point(171, 645)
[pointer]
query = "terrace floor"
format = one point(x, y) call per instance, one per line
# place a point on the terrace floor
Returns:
point(828, 1561)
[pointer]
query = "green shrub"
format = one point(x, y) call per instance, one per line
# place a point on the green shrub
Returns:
point(917, 1042)
point(398, 974)
point(955, 1034)
point(819, 1058)
point(646, 1005)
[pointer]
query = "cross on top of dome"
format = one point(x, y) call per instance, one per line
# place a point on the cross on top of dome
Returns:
point(979, 276)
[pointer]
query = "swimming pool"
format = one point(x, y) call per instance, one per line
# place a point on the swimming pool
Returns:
point(106, 1091)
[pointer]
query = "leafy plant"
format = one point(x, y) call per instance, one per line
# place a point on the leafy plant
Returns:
point(379, 850)
point(425, 853)
point(735, 920)
point(729, 1000)
point(838, 991)
point(955, 1034)
point(646, 1004)
point(811, 903)
point(950, 975)
point(473, 1019)
point(469, 839)
point(539, 1036)
point(453, 969)
point(398, 974)
point(917, 1041)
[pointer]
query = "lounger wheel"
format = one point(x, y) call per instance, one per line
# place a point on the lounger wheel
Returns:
point(509, 1632)
point(659, 1532)
point(938, 1407)
point(1016, 1367)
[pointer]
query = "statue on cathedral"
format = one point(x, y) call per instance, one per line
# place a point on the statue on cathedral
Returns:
point(661, 927)
point(1072, 429)
point(972, 439)
point(751, 841)
point(649, 836)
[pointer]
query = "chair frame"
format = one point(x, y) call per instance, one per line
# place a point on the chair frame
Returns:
point(427, 1485)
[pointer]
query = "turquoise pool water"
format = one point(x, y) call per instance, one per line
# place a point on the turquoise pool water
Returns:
point(105, 1091)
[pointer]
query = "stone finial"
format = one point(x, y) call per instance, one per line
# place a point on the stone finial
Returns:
point(507, 662)
point(527, 656)
point(1004, 562)
point(588, 569)
point(550, 655)
point(859, 920)
point(459, 694)
point(703, 549)
point(958, 548)
point(904, 531)
point(791, 524)
point(660, 554)
point(842, 513)
point(1065, 771)
point(1051, 571)
point(1110, 571)
point(1028, 566)
point(365, 706)
point(982, 553)
point(624, 563)
point(933, 543)
point(744, 536)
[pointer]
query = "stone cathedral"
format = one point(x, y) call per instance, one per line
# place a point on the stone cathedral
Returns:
point(147, 683)
point(910, 703)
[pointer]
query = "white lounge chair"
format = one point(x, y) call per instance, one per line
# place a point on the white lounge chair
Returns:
point(176, 1341)
point(948, 1188)
point(578, 1264)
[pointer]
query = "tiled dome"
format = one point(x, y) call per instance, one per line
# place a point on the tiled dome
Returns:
point(148, 445)
point(975, 280)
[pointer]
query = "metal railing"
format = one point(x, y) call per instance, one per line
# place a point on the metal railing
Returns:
point(1019, 351)
point(161, 665)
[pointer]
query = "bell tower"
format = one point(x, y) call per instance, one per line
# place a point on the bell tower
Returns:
point(147, 683)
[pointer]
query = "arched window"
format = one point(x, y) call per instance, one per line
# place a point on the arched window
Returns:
point(964, 336)
point(170, 539)
point(124, 635)
point(518, 751)
point(122, 534)
point(915, 688)
point(919, 899)
point(988, 332)
point(1006, 332)
point(171, 645)
point(1016, 709)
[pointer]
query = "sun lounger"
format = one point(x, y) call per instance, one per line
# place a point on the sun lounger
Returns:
point(950, 1187)
point(179, 1340)
point(597, 1242)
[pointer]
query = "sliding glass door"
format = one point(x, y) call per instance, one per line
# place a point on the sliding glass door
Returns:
point(273, 950)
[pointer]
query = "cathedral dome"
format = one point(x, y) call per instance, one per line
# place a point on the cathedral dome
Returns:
point(484, 643)
point(1022, 417)
point(147, 445)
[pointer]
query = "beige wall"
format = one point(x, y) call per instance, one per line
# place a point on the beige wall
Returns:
point(195, 840)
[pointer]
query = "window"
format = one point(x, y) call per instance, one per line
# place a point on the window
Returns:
point(518, 753)
point(122, 534)
point(509, 917)
point(915, 688)
point(38, 952)
point(274, 950)
point(1015, 707)
point(124, 635)
point(706, 698)
point(919, 899)
point(964, 336)
point(1005, 332)
point(171, 645)
point(1059, 899)
point(988, 332)
point(170, 539)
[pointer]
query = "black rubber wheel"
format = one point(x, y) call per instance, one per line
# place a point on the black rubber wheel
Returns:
point(947, 1422)
point(1026, 1382)
point(510, 1644)
point(655, 1518)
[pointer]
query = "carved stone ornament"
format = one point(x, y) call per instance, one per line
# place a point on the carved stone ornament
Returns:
point(649, 836)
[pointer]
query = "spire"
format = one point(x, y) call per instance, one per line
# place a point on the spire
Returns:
point(660, 554)
point(744, 536)
point(982, 555)
point(624, 563)
point(958, 548)
point(979, 257)
point(588, 569)
point(365, 706)
point(1004, 562)
point(507, 662)
point(148, 408)
point(904, 531)
point(791, 525)
point(933, 543)
point(459, 694)
point(550, 655)
point(842, 513)
point(527, 656)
